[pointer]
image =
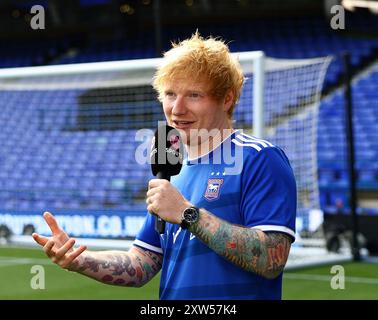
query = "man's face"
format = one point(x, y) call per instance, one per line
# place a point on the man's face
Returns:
point(189, 107)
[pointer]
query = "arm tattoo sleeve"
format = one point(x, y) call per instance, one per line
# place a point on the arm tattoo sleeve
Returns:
point(133, 268)
point(251, 249)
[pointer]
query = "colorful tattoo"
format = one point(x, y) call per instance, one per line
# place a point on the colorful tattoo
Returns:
point(121, 268)
point(251, 249)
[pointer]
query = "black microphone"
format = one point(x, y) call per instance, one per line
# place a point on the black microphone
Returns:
point(166, 158)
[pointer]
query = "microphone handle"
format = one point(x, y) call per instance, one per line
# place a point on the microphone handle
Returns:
point(160, 223)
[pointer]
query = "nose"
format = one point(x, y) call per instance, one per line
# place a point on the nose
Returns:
point(179, 107)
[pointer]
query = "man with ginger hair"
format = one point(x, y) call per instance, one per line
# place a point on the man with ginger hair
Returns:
point(227, 235)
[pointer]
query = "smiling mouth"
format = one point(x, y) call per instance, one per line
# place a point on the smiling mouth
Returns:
point(182, 124)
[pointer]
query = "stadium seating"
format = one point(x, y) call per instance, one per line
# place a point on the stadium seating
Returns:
point(332, 148)
point(75, 173)
point(293, 39)
point(284, 38)
point(60, 168)
point(24, 53)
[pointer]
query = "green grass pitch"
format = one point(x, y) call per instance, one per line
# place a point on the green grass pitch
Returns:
point(361, 281)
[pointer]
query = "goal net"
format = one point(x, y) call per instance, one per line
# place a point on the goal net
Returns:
point(75, 138)
point(285, 112)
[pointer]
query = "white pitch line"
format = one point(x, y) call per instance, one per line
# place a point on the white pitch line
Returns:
point(9, 261)
point(316, 277)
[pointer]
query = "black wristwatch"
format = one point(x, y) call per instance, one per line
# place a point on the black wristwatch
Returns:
point(189, 216)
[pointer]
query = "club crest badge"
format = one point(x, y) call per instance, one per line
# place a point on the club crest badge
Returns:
point(213, 189)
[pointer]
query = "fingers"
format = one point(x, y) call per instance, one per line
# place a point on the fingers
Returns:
point(153, 208)
point(39, 239)
point(152, 203)
point(63, 257)
point(47, 248)
point(73, 255)
point(151, 198)
point(153, 183)
point(65, 248)
point(77, 252)
point(52, 223)
point(150, 192)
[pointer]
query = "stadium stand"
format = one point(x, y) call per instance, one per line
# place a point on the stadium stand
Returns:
point(25, 53)
point(333, 178)
point(76, 161)
point(285, 38)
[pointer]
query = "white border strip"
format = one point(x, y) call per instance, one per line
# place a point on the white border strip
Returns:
point(246, 136)
point(250, 140)
point(255, 146)
point(148, 246)
point(268, 227)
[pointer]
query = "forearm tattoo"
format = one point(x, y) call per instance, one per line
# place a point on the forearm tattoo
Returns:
point(133, 268)
point(251, 249)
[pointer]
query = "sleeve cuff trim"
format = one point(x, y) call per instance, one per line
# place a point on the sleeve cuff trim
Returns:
point(275, 228)
point(148, 246)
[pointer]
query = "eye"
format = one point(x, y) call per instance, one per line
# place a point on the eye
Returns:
point(169, 94)
point(194, 95)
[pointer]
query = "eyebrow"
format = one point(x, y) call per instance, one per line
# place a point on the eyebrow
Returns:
point(199, 91)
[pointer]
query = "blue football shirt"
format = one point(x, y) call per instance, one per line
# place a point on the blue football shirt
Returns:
point(245, 181)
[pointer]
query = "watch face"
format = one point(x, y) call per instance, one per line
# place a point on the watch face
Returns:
point(190, 215)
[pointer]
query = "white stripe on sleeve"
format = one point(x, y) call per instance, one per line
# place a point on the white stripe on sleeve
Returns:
point(275, 228)
point(148, 246)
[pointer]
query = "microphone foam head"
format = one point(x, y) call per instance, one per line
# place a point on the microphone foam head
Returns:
point(166, 151)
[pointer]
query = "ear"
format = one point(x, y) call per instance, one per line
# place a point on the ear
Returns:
point(227, 101)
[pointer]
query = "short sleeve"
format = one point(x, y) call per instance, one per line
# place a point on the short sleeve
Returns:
point(269, 196)
point(148, 238)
